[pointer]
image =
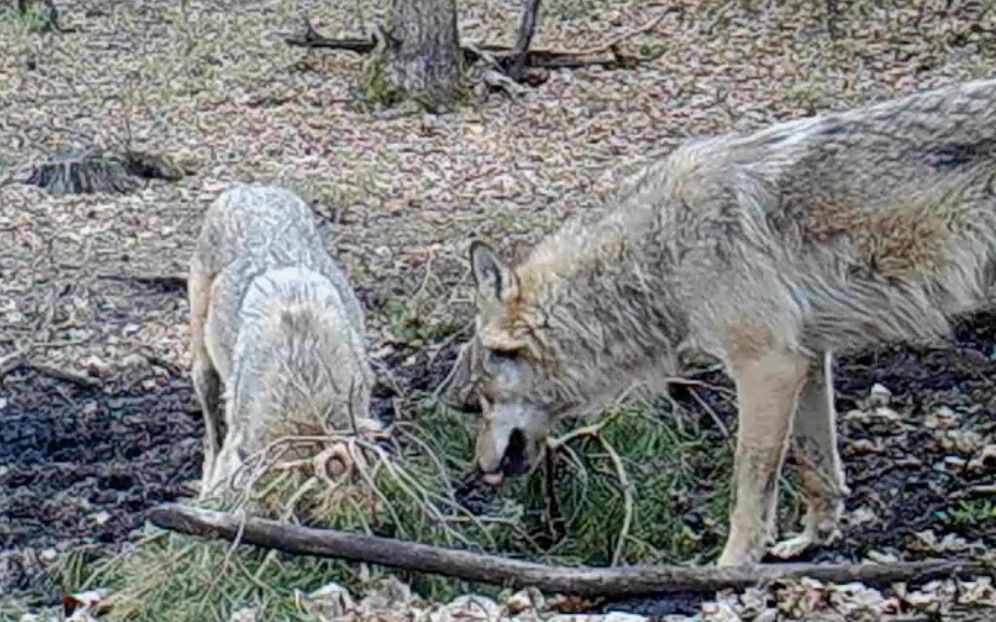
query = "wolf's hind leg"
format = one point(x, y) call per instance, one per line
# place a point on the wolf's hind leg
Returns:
point(814, 444)
point(768, 386)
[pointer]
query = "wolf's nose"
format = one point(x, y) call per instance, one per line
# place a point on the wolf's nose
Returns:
point(515, 461)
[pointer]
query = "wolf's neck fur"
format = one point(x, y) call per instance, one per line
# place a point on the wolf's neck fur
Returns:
point(605, 293)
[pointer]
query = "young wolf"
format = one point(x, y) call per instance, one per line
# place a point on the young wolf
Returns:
point(769, 251)
point(275, 321)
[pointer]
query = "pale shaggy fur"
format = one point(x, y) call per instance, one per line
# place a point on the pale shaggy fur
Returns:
point(275, 323)
point(768, 251)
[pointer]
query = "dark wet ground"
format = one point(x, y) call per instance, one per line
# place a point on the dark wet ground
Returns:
point(79, 466)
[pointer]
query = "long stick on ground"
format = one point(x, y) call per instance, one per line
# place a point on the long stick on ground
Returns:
point(581, 581)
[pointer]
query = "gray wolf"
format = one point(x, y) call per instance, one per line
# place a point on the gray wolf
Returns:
point(769, 251)
point(276, 326)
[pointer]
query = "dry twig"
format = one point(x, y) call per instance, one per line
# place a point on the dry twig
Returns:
point(504, 57)
point(613, 43)
point(172, 281)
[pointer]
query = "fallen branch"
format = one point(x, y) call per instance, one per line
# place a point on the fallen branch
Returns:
point(311, 39)
point(68, 375)
point(22, 358)
point(507, 58)
point(580, 581)
point(173, 281)
point(615, 41)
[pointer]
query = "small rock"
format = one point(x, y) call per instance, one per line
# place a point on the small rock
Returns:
point(329, 602)
point(101, 518)
point(962, 441)
point(48, 555)
point(879, 396)
point(985, 460)
point(867, 446)
point(95, 365)
point(134, 360)
point(467, 608)
point(248, 614)
point(955, 463)
point(943, 418)
point(389, 595)
point(719, 611)
point(980, 593)
point(82, 606)
point(753, 602)
point(529, 598)
point(880, 557)
point(863, 515)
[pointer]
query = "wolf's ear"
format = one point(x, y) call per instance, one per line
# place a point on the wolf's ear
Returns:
point(494, 279)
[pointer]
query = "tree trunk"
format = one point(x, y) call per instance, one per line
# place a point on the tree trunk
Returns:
point(422, 59)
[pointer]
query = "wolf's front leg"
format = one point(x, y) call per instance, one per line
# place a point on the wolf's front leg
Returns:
point(207, 386)
point(814, 444)
point(204, 376)
point(768, 386)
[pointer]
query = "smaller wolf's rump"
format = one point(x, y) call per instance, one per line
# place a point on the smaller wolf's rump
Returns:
point(274, 323)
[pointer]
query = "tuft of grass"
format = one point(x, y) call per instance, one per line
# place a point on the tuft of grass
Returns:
point(29, 19)
point(412, 321)
point(969, 513)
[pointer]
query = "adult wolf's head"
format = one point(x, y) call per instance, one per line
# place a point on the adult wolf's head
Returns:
point(507, 369)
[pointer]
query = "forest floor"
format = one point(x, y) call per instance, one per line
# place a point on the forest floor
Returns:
point(99, 422)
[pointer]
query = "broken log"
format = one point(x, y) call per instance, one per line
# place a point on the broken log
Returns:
point(482, 568)
point(543, 58)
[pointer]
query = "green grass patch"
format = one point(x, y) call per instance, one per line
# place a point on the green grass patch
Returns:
point(623, 493)
point(970, 512)
point(28, 18)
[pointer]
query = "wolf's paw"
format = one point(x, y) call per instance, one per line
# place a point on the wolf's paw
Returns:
point(821, 534)
point(792, 547)
point(742, 555)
